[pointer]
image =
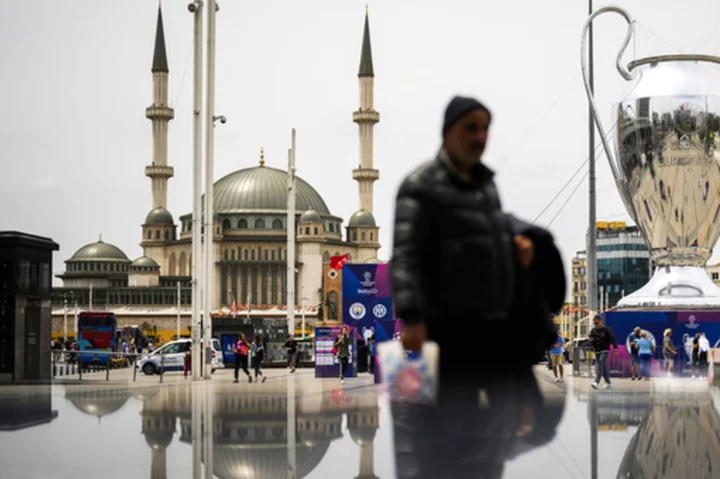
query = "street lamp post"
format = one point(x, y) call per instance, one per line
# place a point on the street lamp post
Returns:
point(196, 9)
point(209, 275)
point(65, 313)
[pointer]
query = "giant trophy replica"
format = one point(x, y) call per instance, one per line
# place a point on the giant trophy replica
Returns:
point(667, 168)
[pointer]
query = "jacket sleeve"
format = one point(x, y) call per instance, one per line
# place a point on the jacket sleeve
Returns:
point(409, 247)
point(613, 339)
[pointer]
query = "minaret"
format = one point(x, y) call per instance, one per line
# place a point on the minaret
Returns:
point(366, 117)
point(160, 114)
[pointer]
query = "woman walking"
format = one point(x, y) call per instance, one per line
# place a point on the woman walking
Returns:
point(669, 351)
point(645, 353)
point(342, 343)
point(241, 357)
point(258, 353)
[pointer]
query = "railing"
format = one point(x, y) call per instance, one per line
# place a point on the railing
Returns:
point(583, 362)
point(91, 364)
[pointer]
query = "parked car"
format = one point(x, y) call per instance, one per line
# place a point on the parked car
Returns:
point(171, 357)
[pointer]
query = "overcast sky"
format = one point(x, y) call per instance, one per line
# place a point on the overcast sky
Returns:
point(75, 82)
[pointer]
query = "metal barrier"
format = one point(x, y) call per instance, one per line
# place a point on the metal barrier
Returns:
point(584, 364)
point(65, 364)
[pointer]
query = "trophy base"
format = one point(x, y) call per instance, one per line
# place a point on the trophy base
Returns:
point(675, 287)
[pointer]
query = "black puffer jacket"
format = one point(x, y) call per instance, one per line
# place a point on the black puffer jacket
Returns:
point(452, 254)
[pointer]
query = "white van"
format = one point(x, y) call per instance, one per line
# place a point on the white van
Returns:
point(171, 357)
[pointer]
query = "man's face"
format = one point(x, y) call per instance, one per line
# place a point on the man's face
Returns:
point(598, 323)
point(637, 331)
point(465, 140)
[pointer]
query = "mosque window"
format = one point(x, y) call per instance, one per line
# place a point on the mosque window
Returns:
point(272, 256)
point(331, 227)
point(149, 235)
point(253, 255)
point(242, 224)
point(239, 253)
point(259, 224)
point(92, 266)
point(371, 237)
point(232, 255)
point(280, 253)
point(226, 254)
point(354, 236)
point(266, 255)
point(326, 257)
point(277, 224)
point(246, 255)
point(362, 236)
point(226, 224)
point(157, 234)
point(189, 225)
point(307, 230)
point(316, 230)
point(167, 235)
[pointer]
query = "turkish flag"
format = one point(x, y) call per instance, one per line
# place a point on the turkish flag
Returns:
point(337, 262)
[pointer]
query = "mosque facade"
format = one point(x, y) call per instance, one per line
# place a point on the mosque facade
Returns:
point(249, 233)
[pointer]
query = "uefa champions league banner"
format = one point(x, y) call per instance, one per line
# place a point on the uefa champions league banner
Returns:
point(366, 297)
point(684, 325)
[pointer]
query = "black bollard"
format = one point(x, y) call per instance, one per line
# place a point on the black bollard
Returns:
point(162, 367)
point(134, 366)
point(107, 369)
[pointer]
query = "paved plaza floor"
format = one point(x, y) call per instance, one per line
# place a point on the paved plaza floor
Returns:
point(299, 426)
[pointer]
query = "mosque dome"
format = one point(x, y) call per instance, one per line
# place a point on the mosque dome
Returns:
point(158, 429)
point(97, 402)
point(159, 217)
point(263, 188)
point(99, 251)
point(361, 219)
point(310, 216)
point(144, 262)
point(242, 461)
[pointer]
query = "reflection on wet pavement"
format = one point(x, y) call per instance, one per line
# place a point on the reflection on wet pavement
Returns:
point(318, 428)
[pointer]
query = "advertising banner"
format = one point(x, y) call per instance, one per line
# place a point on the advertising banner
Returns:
point(366, 297)
point(327, 365)
point(683, 324)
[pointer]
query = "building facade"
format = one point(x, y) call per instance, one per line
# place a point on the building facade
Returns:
point(249, 232)
point(623, 262)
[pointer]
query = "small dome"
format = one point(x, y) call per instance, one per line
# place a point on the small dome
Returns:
point(362, 218)
point(99, 251)
point(159, 216)
point(144, 262)
point(310, 216)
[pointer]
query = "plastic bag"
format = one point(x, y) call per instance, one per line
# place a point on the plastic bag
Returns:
point(410, 377)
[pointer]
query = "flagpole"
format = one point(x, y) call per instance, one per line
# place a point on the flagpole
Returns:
point(290, 255)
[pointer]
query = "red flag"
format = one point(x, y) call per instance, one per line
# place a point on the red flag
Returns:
point(337, 262)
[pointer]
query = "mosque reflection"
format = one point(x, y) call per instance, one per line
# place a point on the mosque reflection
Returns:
point(677, 436)
point(250, 426)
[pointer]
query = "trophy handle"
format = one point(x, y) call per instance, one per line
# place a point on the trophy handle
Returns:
point(620, 68)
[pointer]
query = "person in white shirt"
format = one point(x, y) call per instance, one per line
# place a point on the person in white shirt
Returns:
point(704, 348)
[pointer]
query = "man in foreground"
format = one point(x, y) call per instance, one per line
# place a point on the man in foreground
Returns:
point(462, 273)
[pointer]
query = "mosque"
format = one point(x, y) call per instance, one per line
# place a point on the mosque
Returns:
point(250, 234)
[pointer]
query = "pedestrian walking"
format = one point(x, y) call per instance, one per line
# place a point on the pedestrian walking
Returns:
point(462, 268)
point(242, 349)
point(704, 348)
point(695, 355)
point(669, 351)
point(257, 350)
point(645, 354)
point(634, 354)
point(291, 346)
point(342, 343)
point(556, 356)
point(602, 337)
point(373, 353)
